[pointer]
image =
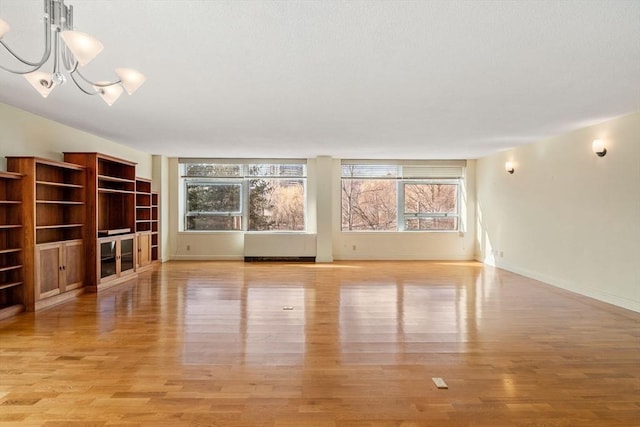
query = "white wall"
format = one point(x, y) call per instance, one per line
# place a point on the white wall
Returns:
point(25, 134)
point(567, 217)
point(161, 185)
point(323, 204)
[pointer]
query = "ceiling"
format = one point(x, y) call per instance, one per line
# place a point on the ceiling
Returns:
point(348, 79)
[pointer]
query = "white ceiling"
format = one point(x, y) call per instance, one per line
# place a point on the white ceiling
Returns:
point(349, 79)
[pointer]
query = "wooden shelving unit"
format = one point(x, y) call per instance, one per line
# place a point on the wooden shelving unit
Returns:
point(11, 229)
point(155, 227)
point(111, 214)
point(65, 227)
point(53, 212)
point(143, 223)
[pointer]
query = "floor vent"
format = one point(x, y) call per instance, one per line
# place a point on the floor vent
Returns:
point(279, 259)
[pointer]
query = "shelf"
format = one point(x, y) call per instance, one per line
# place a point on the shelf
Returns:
point(10, 267)
point(114, 232)
point(59, 202)
point(115, 179)
point(11, 175)
point(9, 285)
point(10, 250)
point(44, 227)
point(110, 190)
point(7, 311)
point(59, 184)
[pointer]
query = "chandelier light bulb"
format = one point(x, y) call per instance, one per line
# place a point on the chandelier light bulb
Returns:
point(130, 78)
point(42, 82)
point(83, 46)
point(109, 94)
point(4, 28)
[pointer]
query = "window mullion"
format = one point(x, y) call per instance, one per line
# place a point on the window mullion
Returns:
point(244, 197)
point(400, 208)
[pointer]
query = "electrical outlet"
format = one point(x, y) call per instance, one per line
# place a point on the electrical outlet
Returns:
point(501, 254)
point(353, 247)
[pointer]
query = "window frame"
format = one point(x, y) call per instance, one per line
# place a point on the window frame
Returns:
point(426, 215)
point(211, 182)
point(243, 180)
point(419, 173)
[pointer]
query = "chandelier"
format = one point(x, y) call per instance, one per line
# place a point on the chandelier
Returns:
point(71, 50)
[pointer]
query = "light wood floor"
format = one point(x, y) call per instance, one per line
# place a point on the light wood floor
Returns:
point(209, 344)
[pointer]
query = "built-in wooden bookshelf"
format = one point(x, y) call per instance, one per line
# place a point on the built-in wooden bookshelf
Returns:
point(11, 252)
point(53, 198)
point(86, 223)
point(143, 205)
point(111, 209)
point(155, 229)
point(143, 223)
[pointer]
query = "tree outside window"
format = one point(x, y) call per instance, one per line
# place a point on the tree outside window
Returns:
point(377, 198)
point(260, 197)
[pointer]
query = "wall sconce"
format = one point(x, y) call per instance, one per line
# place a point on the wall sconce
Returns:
point(598, 147)
point(509, 167)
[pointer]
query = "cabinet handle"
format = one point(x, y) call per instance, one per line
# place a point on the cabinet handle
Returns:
point(64, 267)
point(60, 267)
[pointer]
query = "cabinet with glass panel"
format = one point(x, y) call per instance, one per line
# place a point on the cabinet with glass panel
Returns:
point(111, 219)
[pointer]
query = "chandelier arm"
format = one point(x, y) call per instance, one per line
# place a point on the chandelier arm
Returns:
point(107, 84)
point(69, 65)
point(73, 78)
point(35, 65)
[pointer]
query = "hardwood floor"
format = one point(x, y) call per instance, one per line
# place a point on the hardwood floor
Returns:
point(210, 344)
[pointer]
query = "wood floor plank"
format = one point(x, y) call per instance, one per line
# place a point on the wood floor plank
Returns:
point(209, 344)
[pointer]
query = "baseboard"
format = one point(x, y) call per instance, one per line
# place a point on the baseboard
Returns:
point(573, 287)
point(206, 258)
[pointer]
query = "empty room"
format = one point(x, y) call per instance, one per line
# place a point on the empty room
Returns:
point(365, 213)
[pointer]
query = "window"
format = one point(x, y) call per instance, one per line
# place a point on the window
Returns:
point(379, 197)
point(251, 196)
point(213, 206)
point(431, 206)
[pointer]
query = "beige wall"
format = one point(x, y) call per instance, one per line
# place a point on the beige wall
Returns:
point(323, 221)
point(425, 245)
point(25, 134)
point(566, 216)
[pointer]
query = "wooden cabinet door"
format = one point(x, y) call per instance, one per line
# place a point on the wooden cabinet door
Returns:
point(48, 270)
point(144, 249)
point(73, 267)
point(127, 258)
point(108, 253)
